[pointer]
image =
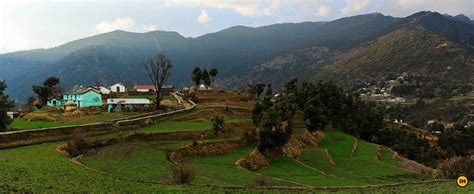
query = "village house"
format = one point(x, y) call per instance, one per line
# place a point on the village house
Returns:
point(144, 88)
point(82, 97)
point(120, 104)
point(118, 88)
point(165, 90)
point(87, 97)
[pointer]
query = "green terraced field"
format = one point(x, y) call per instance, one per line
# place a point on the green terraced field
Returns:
point(141, 166)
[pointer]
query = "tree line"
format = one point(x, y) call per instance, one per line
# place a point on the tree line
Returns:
point(199, 76)
point(323, 104)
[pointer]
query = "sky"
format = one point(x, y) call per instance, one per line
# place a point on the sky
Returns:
point(30, 24)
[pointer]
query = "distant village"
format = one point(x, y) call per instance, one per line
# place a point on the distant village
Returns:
point(116, 97)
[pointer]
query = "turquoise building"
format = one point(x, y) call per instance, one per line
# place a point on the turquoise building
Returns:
point(87, 97)
point(55, 102)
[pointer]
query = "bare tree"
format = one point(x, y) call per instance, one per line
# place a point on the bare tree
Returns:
point(158, 70)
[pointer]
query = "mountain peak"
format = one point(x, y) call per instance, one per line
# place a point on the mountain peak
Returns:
point(463, 18)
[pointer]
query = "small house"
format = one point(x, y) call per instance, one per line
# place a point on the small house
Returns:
point(144, 88)
point(13, 114)
point(87, 97)
point(55, 102)
point(118, 88)
point(120, 104)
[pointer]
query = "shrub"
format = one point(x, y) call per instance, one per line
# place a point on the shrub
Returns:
point(456, 166)
point(77, 145)
point(182, 173)
point(218, 124)
point(261, 182)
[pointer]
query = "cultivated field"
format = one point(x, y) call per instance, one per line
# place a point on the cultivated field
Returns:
point(340, 163)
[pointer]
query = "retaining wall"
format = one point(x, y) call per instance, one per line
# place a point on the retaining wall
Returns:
point(35, 136)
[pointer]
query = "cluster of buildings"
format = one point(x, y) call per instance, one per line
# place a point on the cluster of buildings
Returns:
point(97, 96)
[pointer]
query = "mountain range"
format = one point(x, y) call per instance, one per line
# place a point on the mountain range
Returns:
point(348, 50)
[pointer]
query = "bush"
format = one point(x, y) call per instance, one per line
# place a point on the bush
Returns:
point(183, 173)
point(261, 182)
point(218, 124)
point(457, 166)
point(77, 145)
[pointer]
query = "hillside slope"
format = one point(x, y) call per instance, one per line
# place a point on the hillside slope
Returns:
point(434, 50)
point(431, 60)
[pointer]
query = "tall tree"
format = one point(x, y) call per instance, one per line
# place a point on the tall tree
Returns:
point(206, 78)
point(159, 71)
point(51, 82)
point(213, 74)
point(196, 76)
point(5, 104)
point(48, 89)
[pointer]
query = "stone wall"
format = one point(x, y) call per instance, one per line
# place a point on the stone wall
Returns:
point(35, 136)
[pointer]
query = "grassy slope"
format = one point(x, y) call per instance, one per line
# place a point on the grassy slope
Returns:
point(39, 168)
point(136, 160)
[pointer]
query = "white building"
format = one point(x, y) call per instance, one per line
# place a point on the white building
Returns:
point(118, 104)
point(118, 88)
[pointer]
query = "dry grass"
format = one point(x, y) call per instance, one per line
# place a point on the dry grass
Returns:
point(354, 147)
point(254, 161)
point(77, 145)
point(379, 152)
point(330, 157)
point(456, 166)
point(39, 117)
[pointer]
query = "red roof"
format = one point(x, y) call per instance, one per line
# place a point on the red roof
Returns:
point(150, 87)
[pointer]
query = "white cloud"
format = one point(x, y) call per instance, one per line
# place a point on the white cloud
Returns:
point(121, 23)
point(149, 27)
point(322, 11)
point(124, 23)
point(243, 7)
point(356, 6)
point(203, 17)
point(406, 7)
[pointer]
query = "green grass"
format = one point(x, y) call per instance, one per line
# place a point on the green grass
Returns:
point(221, 170)
point(461, 98)
point(39, 168)
point(136, 160)
point(167, 126)
point(19, 123)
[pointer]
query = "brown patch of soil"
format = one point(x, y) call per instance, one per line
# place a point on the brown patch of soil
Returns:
point(210, 148)
point(412, 165)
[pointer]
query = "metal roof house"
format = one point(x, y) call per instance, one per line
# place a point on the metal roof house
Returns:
point(144, 88)
point(119, 104)
point(84, 97)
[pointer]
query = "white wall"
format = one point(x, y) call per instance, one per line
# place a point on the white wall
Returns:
point(118, 88)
